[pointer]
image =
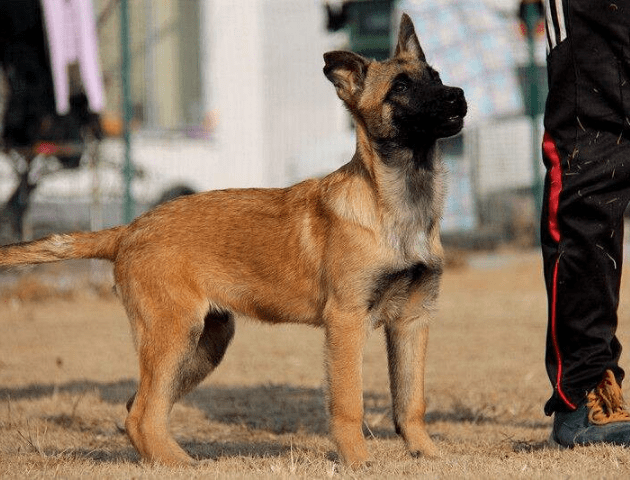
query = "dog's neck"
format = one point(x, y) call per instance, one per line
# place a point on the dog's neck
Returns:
point(406, 177)
point(401, 202)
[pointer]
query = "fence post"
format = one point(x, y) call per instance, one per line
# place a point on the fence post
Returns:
point(531, 11)
point(128, 204)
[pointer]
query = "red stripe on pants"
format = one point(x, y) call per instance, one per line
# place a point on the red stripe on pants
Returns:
point(555, 187)
point(555, 177)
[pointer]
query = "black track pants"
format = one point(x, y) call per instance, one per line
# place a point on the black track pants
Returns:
point(586, 150)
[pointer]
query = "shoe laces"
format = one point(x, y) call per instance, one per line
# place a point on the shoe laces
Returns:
point(605, 403)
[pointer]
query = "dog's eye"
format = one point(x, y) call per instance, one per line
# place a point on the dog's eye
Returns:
point(400, 86)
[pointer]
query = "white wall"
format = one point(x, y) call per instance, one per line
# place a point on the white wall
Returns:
point(236, 88)
point(275, 111)
point(301, 107)
point(266, 86)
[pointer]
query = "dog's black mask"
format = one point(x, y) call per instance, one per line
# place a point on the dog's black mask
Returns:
point(425, 109)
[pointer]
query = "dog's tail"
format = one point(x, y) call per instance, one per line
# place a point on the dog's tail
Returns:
point(102, 244)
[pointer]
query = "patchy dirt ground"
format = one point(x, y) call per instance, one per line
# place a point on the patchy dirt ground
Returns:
point(67, 367)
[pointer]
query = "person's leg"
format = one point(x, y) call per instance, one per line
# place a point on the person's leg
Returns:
point(586, 150)
point(582, 247)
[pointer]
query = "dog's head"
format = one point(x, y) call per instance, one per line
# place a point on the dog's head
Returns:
point(401, 99)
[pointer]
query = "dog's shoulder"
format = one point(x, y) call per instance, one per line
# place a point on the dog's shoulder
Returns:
point(348, 195)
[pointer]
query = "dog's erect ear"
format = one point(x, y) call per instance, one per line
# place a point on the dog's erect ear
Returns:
point(346, 70)
point(407, 40)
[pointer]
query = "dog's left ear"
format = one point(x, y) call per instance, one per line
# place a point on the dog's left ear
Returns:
point(347, 71)
point(408, 42)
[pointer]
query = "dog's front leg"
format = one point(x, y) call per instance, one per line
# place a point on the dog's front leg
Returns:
point(406, 349)
point(345, 339)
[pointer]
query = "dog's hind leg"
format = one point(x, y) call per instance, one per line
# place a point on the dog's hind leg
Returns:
point(217, 333)
point(177, 348)
point(216, 336)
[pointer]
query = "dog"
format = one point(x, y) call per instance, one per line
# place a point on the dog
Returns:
point(350, 252)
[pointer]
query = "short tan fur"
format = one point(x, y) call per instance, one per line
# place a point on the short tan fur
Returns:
point(355, 250)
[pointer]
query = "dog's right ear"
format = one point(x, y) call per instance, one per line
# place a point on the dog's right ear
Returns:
point(346, 70)
point(408, 40)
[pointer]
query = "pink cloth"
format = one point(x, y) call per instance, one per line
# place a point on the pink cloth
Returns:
point(71, 32)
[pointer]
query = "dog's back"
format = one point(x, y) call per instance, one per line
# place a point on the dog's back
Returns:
point(220, 217)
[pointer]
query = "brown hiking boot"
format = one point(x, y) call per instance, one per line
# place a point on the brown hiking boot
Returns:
point(605, 403)
point(601, 418)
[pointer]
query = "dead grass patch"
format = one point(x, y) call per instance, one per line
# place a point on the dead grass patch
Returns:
point(66, 374)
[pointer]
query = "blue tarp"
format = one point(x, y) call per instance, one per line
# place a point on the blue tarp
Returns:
point(471, 45)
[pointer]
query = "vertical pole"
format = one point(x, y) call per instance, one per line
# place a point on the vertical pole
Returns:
point(96, 208)
point(149, 64)
point(128, 205)
point(531, 19)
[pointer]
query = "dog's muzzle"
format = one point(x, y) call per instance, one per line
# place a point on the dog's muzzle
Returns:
point(452, 110)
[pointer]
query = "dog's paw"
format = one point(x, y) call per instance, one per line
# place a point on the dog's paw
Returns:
point(354, 455)
point(355, 468)
point(432, 452)
point(419, 442)
point(424, 447)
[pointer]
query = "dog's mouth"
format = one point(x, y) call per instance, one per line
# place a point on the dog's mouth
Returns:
point(450, 126)
point(453, 122)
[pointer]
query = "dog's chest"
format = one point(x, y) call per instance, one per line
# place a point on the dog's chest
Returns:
point(392, 289)
point(410, 245)
point(414, 206)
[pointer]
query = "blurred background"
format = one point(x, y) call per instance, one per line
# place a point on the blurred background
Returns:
point(108, 107)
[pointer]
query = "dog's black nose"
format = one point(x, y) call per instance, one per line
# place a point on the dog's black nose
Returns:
point(453, 95)
point(455, 101)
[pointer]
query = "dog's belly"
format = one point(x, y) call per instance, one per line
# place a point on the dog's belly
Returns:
point(284, 308)
point(271, 297)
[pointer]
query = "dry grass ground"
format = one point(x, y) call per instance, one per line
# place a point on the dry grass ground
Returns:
point(67, 367)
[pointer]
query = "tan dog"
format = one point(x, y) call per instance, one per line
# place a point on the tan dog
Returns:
point(355, 250)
